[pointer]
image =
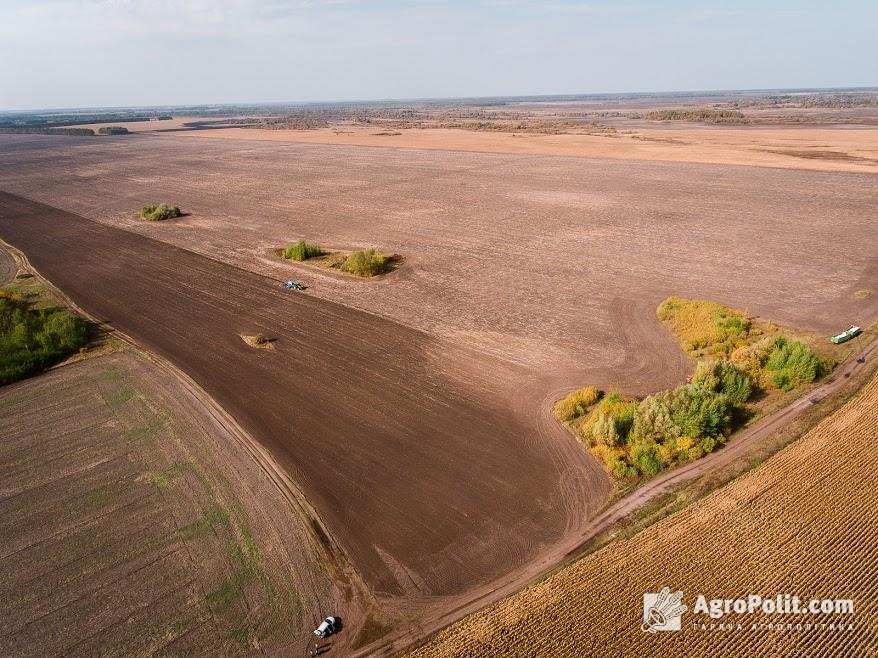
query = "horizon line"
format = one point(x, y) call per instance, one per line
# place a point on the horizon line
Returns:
point(435, 99)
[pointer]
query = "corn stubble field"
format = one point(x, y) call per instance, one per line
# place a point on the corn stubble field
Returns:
point(800, 524)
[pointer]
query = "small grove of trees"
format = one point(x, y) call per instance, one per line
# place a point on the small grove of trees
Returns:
point(706, 114)
point(366, 262)
point(113, 130)
point(159, 212)
point(301, 250)
point(643, 437)
point(32, 130)
point(775, 362)
point(33, 339)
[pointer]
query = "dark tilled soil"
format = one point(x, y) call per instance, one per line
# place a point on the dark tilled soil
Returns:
point(437, 468)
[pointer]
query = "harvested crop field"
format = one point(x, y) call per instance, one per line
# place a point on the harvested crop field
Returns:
point(419, 456)
point(842, 149)
point(133, 523)
point(800, 524)
point(540, 260)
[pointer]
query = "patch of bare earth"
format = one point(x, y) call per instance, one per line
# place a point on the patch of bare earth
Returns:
point(132, 522)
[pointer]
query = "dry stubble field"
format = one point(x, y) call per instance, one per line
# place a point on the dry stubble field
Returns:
point(542, 260)
point(132, 524)
point(800, 524)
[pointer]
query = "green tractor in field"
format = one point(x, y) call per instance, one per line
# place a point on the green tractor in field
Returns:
point(845, 336)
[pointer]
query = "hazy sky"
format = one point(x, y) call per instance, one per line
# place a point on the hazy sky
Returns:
point(73, 53)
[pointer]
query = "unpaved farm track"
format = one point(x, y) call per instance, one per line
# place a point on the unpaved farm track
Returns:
point(8, 268)
point(408, 447)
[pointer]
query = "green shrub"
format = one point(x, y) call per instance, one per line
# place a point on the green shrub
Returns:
point(722, 376)
point(791, 364)
point(576, 404)
point(367, 262)
point(33, 339)
point(645, 458)
point(301, 250)
point(159, 212)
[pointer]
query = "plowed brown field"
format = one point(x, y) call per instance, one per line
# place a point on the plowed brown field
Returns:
point(801, 524)
point(131, 524)
point(420, 457)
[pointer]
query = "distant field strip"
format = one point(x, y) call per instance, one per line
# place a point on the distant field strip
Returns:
point(804, 523)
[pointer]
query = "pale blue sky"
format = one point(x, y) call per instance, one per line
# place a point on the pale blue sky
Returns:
point(74, 53)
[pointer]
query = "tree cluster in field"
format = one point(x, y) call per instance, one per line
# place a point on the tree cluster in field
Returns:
point(302, 250)
point(366, 262)
point(705, 328)
point(33, 130)
point(33, 339)
point(113, 130)
point(159, 212)
point(634, 438)
point(706, 114)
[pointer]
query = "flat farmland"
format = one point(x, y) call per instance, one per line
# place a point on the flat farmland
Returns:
point(803, 523)
point(130, 524)
point(544, 261)
point(435, 467)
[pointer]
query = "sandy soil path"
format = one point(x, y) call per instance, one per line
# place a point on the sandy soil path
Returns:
point(8, 268)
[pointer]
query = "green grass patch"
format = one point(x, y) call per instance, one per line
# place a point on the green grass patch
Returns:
point(120, 396)
point(160, 212)
point(302, 250)
point(215, 516)
point(168, 478)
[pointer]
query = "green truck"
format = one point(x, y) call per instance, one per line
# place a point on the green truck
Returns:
point(846, 335)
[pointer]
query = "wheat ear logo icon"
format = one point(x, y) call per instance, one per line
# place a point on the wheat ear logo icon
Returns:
point(664, 609)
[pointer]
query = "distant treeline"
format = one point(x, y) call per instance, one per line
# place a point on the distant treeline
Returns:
point(35, 130)
point(706, 114)
point(61, 121)
point(113, 130)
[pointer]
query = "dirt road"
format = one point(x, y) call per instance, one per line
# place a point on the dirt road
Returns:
point(8, 268)
point(407, 446)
